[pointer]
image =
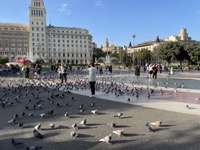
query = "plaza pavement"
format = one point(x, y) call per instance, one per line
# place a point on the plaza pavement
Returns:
point(180, 128)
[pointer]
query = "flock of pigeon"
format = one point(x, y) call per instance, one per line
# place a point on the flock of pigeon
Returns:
point(28, 94)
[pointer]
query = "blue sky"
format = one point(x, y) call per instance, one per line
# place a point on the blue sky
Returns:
point(116, 20)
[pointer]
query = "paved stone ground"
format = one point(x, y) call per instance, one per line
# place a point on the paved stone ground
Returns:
point(180, 130)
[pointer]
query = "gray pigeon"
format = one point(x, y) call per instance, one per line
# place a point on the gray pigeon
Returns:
point(149, 129)
point(112, 124)
point(17, 144)
point(37, 134)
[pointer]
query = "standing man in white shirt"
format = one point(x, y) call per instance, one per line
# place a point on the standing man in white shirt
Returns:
point(92, 78)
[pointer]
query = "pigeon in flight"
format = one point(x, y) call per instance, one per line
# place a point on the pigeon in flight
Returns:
point(106, 139)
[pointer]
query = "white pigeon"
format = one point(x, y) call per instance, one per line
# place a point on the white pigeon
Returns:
point(43, 115)
point(119, 132)
point(83, 122)
point(73, 134)
point(66, 114)
point(52, 125)
point(38, 126)
point(94, 112)
point(157, 123)
point(106, 139)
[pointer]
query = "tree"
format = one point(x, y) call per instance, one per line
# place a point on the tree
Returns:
point(194, 53)
point(97, 53)
point(3, 61)
point(130, 45)
point(142, 56)
point(171, 51)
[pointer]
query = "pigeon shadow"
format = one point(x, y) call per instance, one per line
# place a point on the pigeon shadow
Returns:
point(99, 113)
point(74, 117)
point(126, 117)
point(132, 134)
point(84, 136)
point(167, 125)
point(86, 127)
point(50, 135)
point(121, 126)
point(160, 129)
point(93, 124)
point(28, 126)
point(121, 141)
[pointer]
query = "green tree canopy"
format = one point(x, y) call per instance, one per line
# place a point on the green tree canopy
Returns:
point(3, 60)
point(194, 53)
point(170, 51)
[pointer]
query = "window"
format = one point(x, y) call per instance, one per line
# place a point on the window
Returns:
point(32, 28)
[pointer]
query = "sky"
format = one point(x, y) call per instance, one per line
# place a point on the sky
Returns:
point(117, 20)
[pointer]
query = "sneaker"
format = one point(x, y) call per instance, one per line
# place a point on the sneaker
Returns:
point(92, 96)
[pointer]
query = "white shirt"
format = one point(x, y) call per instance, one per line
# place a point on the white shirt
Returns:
point(92, 74)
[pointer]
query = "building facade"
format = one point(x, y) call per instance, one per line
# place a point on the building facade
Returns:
point(49, 43)
point(14, 40)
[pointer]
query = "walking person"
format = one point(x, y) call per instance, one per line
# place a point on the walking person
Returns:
point(92, 78)
point(137, 71)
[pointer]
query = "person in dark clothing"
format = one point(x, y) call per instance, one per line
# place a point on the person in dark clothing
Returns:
point(27, 70)
point(137, 70)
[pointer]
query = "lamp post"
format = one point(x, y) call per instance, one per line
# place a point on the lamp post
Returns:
point(134, 36)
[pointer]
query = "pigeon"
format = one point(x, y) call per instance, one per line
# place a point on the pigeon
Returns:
point(38, 126)
point(52, 125)
point(112, 124)
point(40, 106)
point(73, 134)
point(92, 104)
point(75, 126)
point(119, 115)
point(149, 129)
point(157, 123)
point(12, 121)
point(23, 114)
point(129, 99)
point(83, 122)
point(37, 134)
point(66, 114)
point(119, 132)
point(20, 125)
point(17, 144)
point(43, 115)
point(187, 106)
point(16, 116)
point(94, 112)
point(106, 139)
point(31, 115)
point(34, 148)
